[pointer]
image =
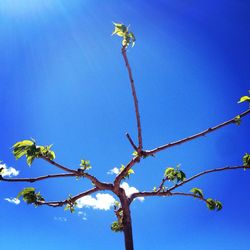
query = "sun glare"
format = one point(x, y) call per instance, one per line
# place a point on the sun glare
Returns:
point(24, 7)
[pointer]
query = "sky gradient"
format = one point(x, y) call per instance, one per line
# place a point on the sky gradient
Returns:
point(63, 82)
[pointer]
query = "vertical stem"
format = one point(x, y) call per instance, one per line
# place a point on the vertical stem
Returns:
point(127, 230)
point(126, 221)
point(124, 53)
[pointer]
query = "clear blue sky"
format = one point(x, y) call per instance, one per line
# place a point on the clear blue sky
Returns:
point(63, 81)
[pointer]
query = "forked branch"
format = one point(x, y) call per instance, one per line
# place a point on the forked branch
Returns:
point(138, 120)
point(168, 192)
point(40, 178)
point(66, 201)
point(195, 136)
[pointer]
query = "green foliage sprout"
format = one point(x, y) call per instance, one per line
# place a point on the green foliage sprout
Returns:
point(175, 174)
point(29, 149)
point(30, 196)
point(123, 31)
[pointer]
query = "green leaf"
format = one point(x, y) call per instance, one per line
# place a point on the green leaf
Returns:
point(214, 204)
point(237, 120)
point(30, 196)
point(218, 205)
point(175, 174)
point(25, 191)
point(131, 171)
point(211, 204)
point(29, 149)
point(244, 99)
point(123, 31)
point(23, 148)
point(197, 192)
point(169, 172)
point(116, 227)
point(85, 165)
point(246, 159)
point(135, 153)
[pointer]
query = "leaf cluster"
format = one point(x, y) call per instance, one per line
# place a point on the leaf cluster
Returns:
point(213, 204)
point(85, 165)
point(71, 205)
point(123, 31)
point(29, 149)
point(131, 171)
point(245, 98)
point(197, 192)
point(116, 227)
point(175, 174)
point(246, 159)
point(237, 120)
point(30, 196)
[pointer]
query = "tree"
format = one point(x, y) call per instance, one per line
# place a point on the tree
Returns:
point(174, 175)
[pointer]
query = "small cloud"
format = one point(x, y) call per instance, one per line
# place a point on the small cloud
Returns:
point(61, 219)
point(130, 190)
point(82, 215)
point(113, 171)
point(13, 200)
point(9, 172)
point(102, 201)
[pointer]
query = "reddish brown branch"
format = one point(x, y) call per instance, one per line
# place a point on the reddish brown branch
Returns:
point(40, 178)
point(190, 195)
point(207, 172)
point(131, 142)
point(138, 120)
point(162, 184)
point(59, 165)
point(124, 172)
point(168, 191)
point(209, 130)
point(94, 180)
point(66, 201)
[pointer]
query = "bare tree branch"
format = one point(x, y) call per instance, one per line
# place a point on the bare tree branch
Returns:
point(124, 172)
point(40, 178)
point(168, 192)
point(94, 180)
point(209, 130)
point(190, 195)
point(207, 172)
point(66, 201)
point(131, 142)
point(59, 165)
point(138, 120)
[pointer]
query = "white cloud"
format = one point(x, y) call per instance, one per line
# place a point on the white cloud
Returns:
point(130, 190)
point(9, 172)
point(102, 201)
point(113, 171)
point(82, 214)
point(62, 219)
point(13, 200)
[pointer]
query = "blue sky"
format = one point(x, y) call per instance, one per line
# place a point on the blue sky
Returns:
point(63, 81)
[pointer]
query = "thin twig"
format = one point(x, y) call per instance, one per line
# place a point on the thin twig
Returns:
point(209, 130)
point(131, 142)
point(162, 184)
point(207, 172)
point(94, 180)
point(59, 165)
point(124, 172)
point(190, 195)
point(72, 199)
point(40, 178)
point(168, 191)
point(124, 53)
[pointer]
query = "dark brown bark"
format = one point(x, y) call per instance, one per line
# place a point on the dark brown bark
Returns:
point(127, 230)
point(126, 220)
